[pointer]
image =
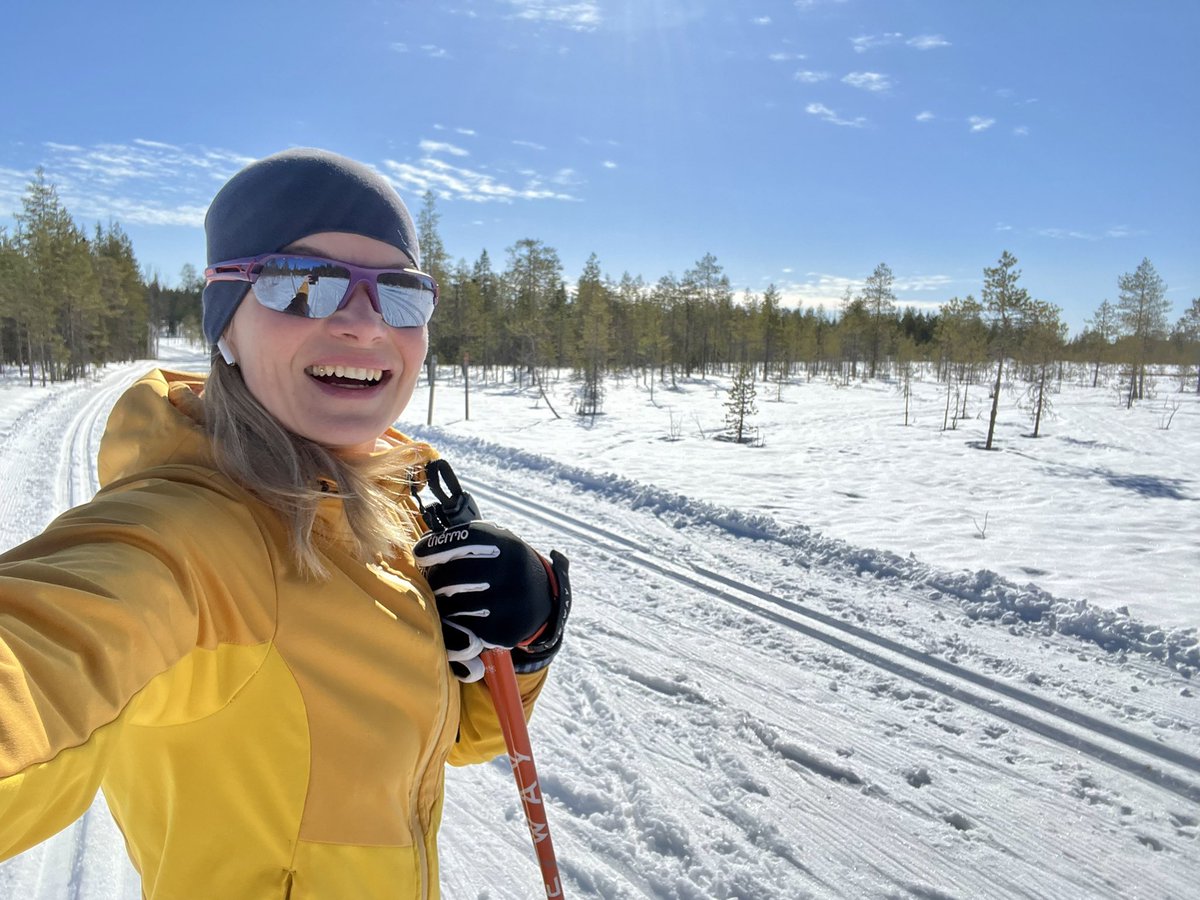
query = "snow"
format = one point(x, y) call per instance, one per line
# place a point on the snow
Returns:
point(794, 670)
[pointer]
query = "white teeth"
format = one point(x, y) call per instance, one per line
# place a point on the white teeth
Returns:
point(355, 372)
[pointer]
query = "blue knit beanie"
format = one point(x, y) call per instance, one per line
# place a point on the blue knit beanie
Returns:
point(278, 200)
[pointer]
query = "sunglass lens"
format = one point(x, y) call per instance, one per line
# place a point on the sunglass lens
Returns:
point(405, 300)
point(301, 286)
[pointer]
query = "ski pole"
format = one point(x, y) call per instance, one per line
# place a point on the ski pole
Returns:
point(456, 507)
point(501, 680)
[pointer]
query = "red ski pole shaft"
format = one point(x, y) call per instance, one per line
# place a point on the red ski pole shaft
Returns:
point(506, 695)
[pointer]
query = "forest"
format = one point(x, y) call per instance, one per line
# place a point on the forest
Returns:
point(70, 303)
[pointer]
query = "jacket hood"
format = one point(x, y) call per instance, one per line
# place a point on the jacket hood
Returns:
point(158, 421)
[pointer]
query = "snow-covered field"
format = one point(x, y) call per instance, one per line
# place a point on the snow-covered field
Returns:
point(800, 670)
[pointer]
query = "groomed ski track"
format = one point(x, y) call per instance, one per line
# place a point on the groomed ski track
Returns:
point(739, 717)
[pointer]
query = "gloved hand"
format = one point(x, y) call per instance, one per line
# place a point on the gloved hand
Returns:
point(494, 590)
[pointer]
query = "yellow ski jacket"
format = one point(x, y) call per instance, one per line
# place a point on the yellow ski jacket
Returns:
point(256, 735)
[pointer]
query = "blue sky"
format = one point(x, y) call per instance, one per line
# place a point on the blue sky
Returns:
point(801, 143)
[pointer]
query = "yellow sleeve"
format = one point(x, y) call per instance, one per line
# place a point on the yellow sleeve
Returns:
point(91, 610)
point(479, 735)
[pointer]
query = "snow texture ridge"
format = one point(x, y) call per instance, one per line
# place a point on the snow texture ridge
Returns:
point(981, 595)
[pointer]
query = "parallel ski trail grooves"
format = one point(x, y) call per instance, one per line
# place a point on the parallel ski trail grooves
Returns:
point(78, 478)
point(881, 651)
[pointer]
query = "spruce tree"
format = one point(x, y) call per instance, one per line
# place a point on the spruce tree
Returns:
point(740, 405)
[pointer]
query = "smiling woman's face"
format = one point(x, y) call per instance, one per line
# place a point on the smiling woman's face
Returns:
point(288, 362)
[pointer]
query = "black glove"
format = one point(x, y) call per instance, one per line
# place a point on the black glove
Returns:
point(494, 590)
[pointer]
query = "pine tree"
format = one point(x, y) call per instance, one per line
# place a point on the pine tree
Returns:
point(123, 296)
point(1099, 336)
point(1187, 330)
point(15, 287)
point(667, 295)
point(533, 282)
point(704, 293)
point(594, 318)
point(1142, 310)
point(852, 330)
point(434, 259)
point(1041, 347)
point(59, 313)
point(771, 327)
point(961, 340)
point(879, 305)
point(1005, 304)
point(484, 315)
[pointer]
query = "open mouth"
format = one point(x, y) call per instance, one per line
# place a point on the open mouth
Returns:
point(350, 377)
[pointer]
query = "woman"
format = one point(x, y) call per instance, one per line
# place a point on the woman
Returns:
point(234, 638)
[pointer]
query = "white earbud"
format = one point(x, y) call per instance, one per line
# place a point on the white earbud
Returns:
point(226, 351)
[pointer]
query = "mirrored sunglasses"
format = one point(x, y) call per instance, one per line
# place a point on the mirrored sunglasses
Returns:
point(316, 288)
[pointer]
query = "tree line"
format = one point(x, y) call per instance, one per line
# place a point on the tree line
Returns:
point(69, 302)
point(526, 317)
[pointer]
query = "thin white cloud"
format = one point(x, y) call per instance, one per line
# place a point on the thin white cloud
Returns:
point(980, 123)
point(922, 282)
point(1113, 232)
point(1074, 234)
point(433, 51)
point(927, 41)
point(818, 291)
point(144, 182)
point(1066, 234)
point(530, 144)
point(785, 57)
point(813, 4)
point(828, 115)
point(454, 182)
point(762, 20)
point(1021, 131)
point(609, 164)
point(822, 290)
point(809, 77)
point(566, 178)
point(469, 132)
point(868, 81)
point(442, 147)
point(156, 145)
point(578, 16)
point(866, 42)
point(925, 116)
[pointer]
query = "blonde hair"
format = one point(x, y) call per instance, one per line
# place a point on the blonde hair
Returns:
point(292, 474)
